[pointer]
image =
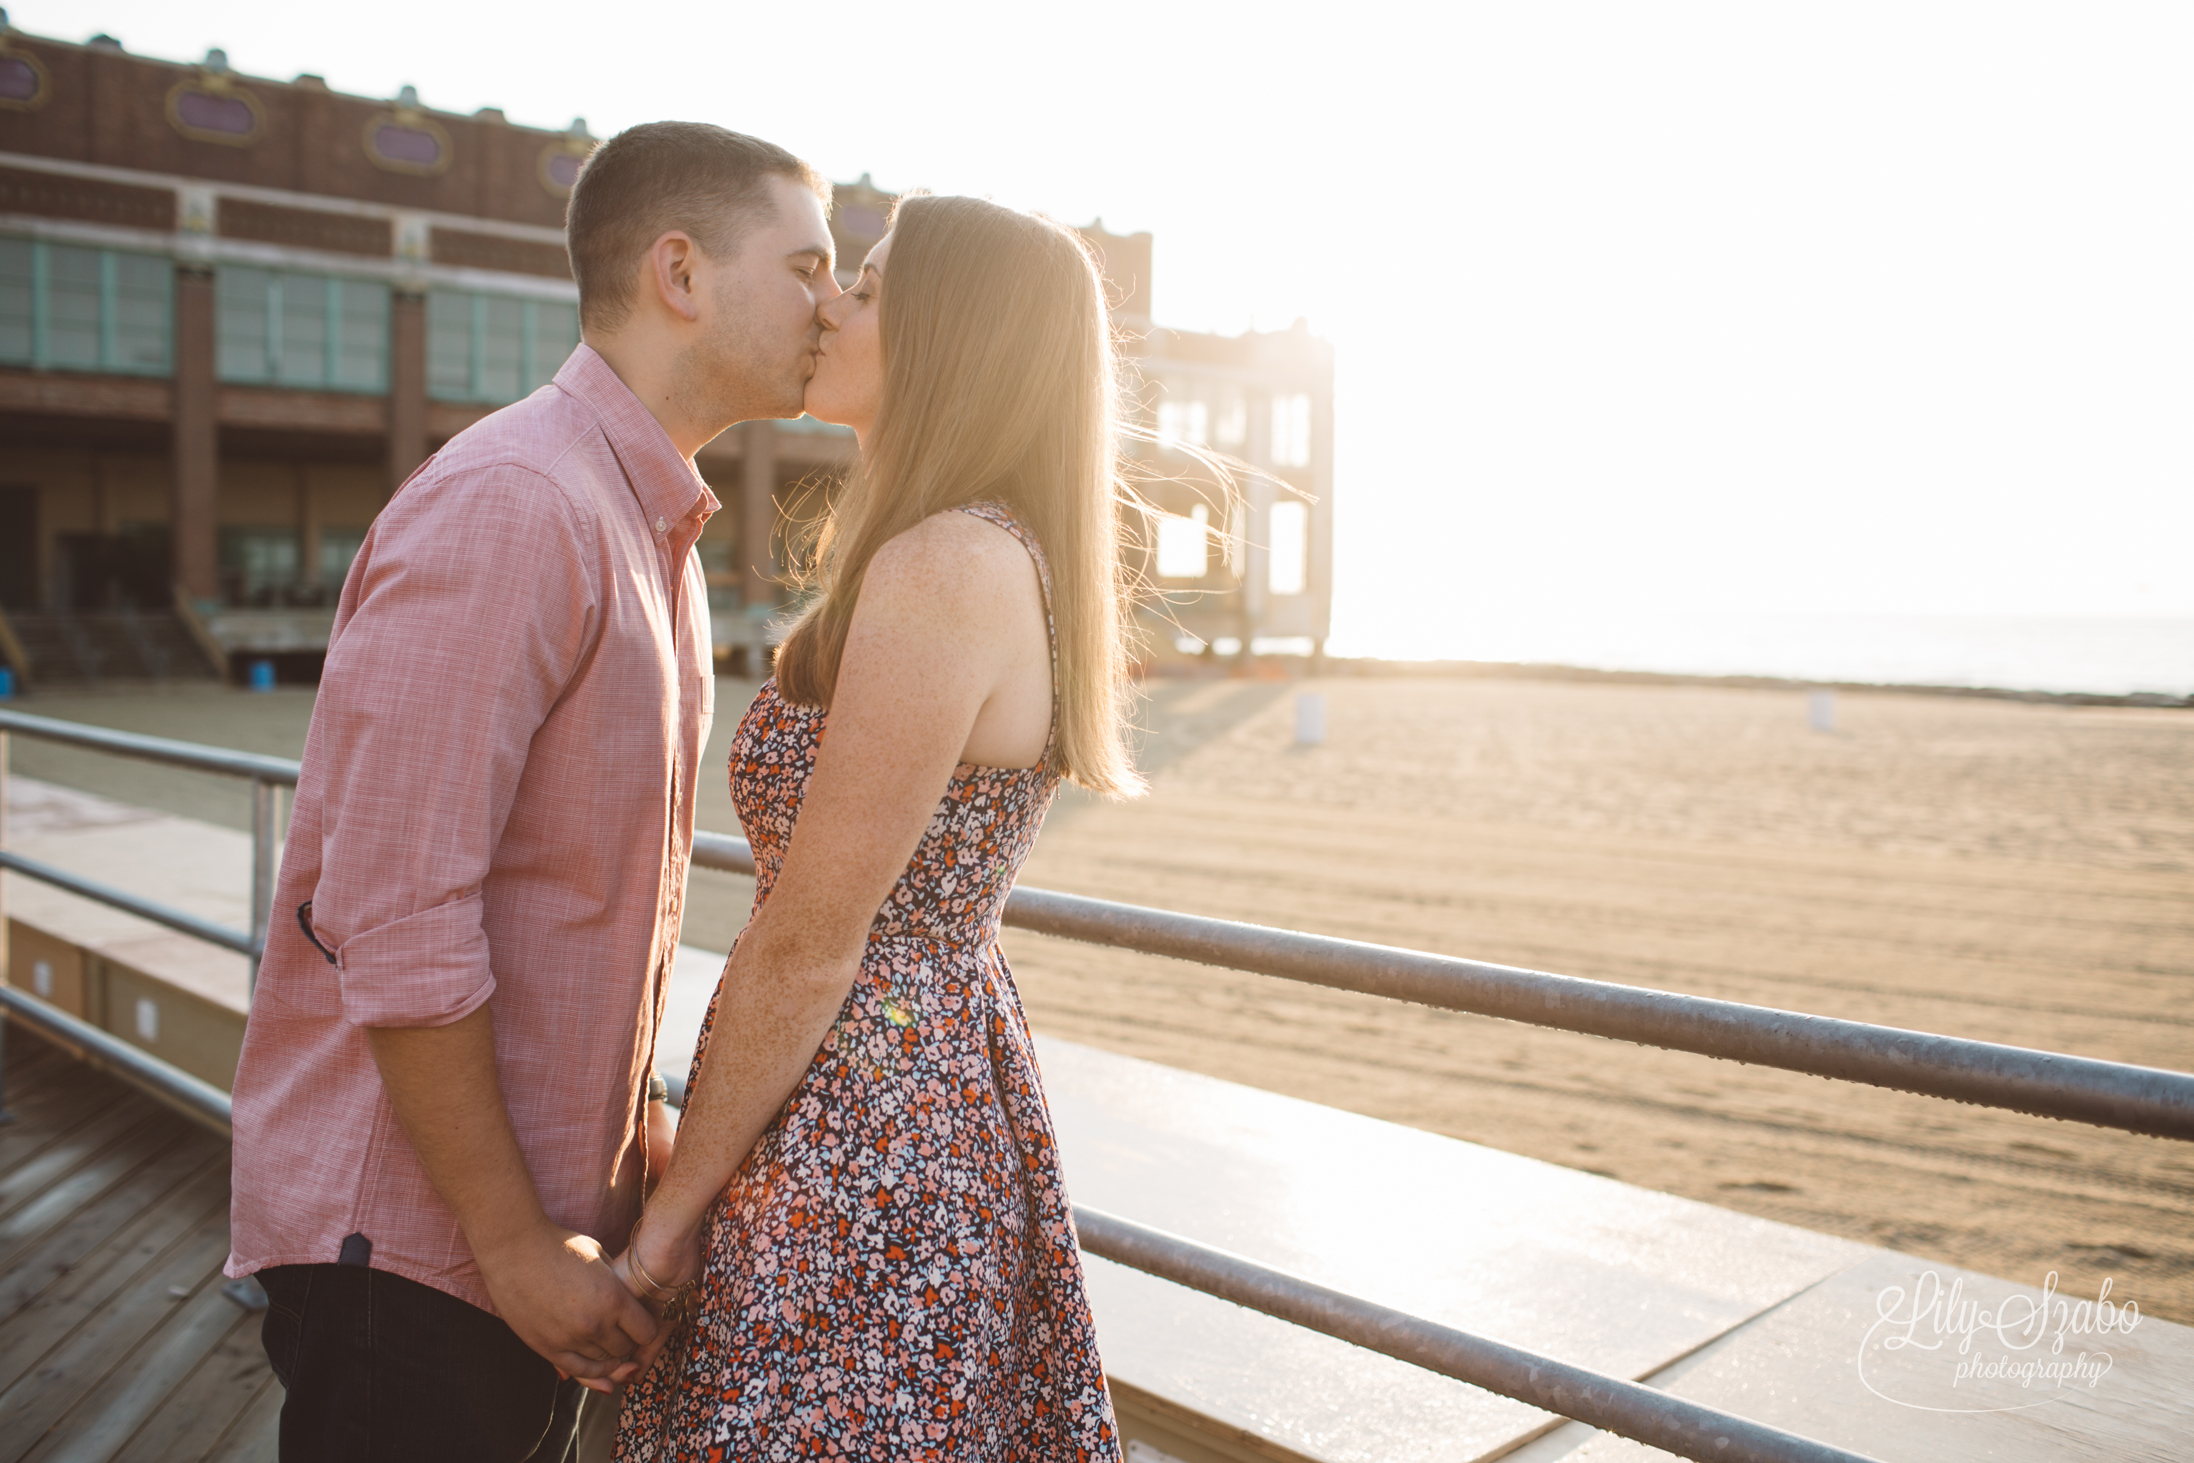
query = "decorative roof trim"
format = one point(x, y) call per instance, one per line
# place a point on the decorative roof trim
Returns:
point(215, 84)
point(571, 145)
point(44, 85)
point(410, 120)
point(362, 208)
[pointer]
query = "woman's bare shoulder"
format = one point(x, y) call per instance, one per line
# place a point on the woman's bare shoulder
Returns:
point(952, 555)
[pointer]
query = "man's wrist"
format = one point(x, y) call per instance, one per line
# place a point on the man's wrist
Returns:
point(504, 1232)
point(658, 1087)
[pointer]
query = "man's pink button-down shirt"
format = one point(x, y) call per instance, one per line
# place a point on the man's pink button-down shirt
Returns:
point(496, 808)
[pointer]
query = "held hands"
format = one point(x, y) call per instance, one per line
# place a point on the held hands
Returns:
point(557, 1290)
point(660, 1269)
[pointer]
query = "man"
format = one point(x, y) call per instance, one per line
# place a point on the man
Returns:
point(443, 1116)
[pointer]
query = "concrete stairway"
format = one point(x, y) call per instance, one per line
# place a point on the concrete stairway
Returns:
point(76, 648)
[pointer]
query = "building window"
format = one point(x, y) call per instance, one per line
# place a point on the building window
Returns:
point(558, 164)
point(22, 82)
point(66, 308)
point(1183, 422)
point(1291, 430)
point(407, 140)
point(1230, 427)
point(305, 330)
point(1288, 525)
point(1184, 544)
point(214, 110)
point(1196, 413)
point(258, 562)
point(495, 348)
point(338, 546)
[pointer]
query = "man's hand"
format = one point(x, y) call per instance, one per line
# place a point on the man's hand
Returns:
point(552, 1287)
point(557, 1290)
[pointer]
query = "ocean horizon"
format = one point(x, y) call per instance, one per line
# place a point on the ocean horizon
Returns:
point(2095, 655)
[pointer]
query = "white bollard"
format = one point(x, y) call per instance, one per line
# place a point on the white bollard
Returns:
point(1310, 719)
point(1820, 711)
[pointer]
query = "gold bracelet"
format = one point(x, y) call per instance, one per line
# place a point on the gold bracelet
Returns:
point(662, 1291)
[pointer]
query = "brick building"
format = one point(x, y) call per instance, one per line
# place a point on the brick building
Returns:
point(235, 313)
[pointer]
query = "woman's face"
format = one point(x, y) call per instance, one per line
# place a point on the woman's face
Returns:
point(849, 364)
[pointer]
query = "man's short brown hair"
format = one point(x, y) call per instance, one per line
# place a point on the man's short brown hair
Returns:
point(647, 180)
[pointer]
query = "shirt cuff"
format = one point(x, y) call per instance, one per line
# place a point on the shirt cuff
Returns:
point(426, 969)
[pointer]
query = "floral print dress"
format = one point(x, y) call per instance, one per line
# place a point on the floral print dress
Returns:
point(893, 1272)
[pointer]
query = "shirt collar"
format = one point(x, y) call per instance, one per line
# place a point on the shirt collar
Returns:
point(668, 488)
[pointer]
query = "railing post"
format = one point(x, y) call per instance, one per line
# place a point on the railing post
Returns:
point(266, 819)
point(7, 967)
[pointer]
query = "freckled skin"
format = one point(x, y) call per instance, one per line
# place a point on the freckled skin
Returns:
point(885, 1248)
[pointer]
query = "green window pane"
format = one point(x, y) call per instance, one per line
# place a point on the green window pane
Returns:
point(15, 301)
point(449, 345)
point(257, 560)
point(556, 336)
point(362, 352)
point(502, 350)
point(144, 313)
point(240, 307)
point(72, 307)
point(338, 546)
point(304, 359)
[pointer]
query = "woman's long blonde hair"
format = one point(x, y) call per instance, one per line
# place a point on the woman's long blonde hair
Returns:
point(1001, 385)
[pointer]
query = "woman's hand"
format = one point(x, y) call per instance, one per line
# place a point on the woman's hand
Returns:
point(673, 1262)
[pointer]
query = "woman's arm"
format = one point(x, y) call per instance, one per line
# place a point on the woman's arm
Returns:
point(941, 627)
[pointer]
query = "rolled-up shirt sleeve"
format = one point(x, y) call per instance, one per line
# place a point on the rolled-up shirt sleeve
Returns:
point(447, 657)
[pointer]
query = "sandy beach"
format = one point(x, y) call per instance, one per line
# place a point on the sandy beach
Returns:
point(2012, 872)
point(2009, 872)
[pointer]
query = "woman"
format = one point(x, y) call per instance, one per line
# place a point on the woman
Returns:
point(865, 1184)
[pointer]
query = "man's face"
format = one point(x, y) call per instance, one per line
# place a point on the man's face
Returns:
point(756, 347)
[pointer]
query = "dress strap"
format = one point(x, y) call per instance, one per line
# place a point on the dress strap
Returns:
point(1004, 517)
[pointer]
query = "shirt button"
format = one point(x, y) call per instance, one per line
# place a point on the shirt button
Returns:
point(662, 525)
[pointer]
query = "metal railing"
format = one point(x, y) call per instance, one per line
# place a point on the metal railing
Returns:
point(268, 777)
point(2047, 1084)
point(194, 1097)
point(2107, 1094)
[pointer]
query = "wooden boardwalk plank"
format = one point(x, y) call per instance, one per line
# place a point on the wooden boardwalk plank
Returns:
point(111, 1340)
point(28, 1053)
point(47, 1105)
point(202, 1407)
point(106, 1417)
point(68, 1245)
point(114, 1122)
point(116, 1343)
point(33, 1055)
point(28, 1060)
point(113, 1165)
point(106, 1270)
point(255, 1436)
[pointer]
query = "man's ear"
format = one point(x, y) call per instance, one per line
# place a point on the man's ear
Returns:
point(669, 274)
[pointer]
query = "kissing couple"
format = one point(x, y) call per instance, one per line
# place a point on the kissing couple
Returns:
point(456, 1174)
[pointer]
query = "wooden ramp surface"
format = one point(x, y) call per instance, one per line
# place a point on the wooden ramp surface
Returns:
point(116, 1341)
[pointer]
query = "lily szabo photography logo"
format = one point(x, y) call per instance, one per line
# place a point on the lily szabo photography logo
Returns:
point(1941, 1350)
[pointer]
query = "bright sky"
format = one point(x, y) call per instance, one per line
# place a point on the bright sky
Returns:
point(1852, 307)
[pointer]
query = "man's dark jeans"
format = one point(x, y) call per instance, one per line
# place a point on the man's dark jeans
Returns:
point(381, 1369)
